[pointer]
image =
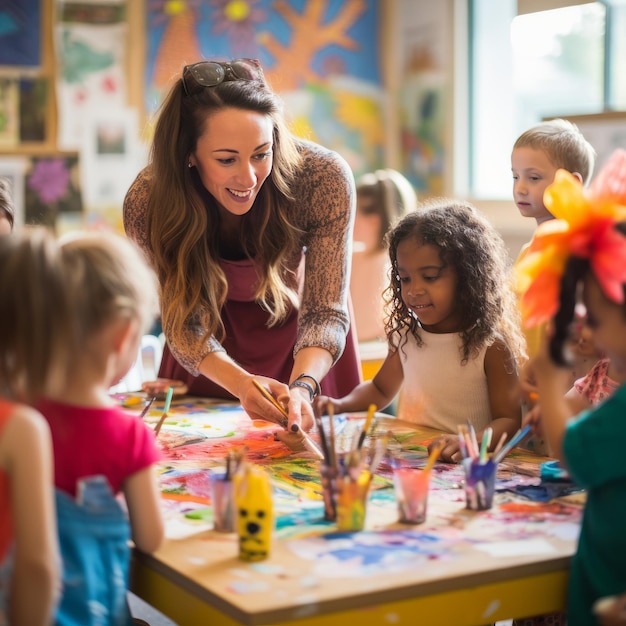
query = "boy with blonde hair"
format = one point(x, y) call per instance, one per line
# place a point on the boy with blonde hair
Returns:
point(537, 154)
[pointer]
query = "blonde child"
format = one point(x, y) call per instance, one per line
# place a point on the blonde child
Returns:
point(382, 198)
point(34, 340)
point(7, 211)
point(591, 446)
point(99, 450)
point(453, 333)
point(537, 154)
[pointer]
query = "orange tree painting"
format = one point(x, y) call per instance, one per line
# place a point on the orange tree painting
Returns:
point(322, 56)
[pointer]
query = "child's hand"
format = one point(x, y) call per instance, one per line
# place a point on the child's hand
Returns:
point(321, 404)
point(533, 417)
point(450, 451)
point(611, 611)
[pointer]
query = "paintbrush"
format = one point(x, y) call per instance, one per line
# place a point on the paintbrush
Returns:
point(432, 458)
point(379, 452)
point(332, 451)
point(308, 443)
point(168, 401)
point(147, 407)
point(366, 426)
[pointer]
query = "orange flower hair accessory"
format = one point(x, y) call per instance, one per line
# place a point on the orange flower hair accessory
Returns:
point(584, 226)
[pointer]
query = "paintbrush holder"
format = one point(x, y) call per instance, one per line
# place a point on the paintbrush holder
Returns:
point(480, 483)
point(411, 486)
point(352, 497)
point(329, 491)
point(223, 503)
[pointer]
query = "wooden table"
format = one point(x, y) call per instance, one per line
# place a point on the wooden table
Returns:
point(460, 568)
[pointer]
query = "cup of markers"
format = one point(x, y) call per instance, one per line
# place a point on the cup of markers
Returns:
point(481, 468)
point(480, 483)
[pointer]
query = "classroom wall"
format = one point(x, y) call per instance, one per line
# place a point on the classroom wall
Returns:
point(426, 64)
point(409, 112)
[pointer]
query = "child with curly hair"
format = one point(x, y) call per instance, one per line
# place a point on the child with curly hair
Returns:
point(453, 332)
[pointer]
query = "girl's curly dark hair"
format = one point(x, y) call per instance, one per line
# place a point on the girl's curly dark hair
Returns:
point(575, 270)
point(471, 245)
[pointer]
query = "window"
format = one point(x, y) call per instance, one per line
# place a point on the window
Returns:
point(526, 66)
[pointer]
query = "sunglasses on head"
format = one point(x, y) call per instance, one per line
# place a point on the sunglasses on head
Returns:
point(212, 73)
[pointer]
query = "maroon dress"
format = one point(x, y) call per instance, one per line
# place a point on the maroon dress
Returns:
point(257, 348)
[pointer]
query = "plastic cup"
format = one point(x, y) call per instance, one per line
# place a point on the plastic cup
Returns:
point(480, 483)
point(222, 500)
point(411, 486)
point(352, 496)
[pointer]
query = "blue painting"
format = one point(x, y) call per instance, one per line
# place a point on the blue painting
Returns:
point(20, 32)
point(322, 56)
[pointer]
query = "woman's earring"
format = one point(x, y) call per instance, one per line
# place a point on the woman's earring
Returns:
point(190, 165)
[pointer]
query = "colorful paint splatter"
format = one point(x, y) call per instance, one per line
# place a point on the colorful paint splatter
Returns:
point(197, 435)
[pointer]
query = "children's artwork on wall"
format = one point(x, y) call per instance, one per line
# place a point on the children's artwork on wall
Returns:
point(90, 53)
point(23, 117)
point(20, 33)
point(9, 114)
point(320, 55)
point(33, 103)
point(52, 193)
point(109, 159)
point(422, 96)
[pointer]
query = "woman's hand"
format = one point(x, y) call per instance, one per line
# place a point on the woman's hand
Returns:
point(264, 398)
point(300, 409)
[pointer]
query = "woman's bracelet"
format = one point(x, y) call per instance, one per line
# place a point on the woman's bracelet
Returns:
point(314, 390)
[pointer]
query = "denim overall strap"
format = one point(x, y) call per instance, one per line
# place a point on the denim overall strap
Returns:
point(93, 533)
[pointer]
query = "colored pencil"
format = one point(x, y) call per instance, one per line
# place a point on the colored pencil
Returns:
point(519, 435)
point(485, 443)
point(268, 396)
point(499, 444)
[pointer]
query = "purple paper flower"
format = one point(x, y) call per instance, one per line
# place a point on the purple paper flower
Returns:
point(50, 179)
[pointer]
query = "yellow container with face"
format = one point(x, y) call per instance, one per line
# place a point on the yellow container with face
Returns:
point(254, 513)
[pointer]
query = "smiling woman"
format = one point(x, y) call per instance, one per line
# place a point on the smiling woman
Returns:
point(250, 232)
